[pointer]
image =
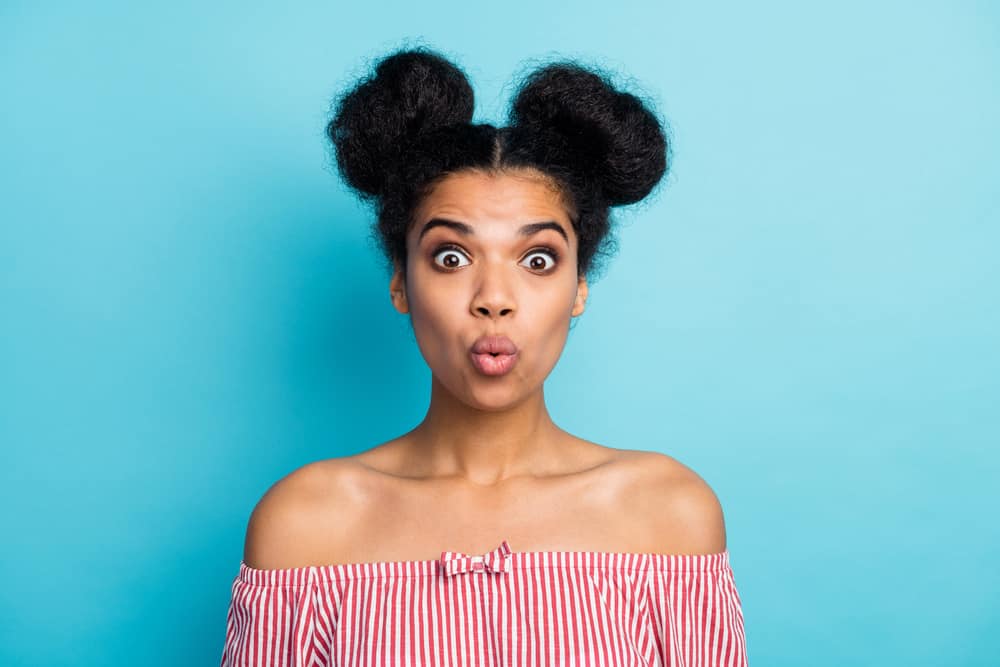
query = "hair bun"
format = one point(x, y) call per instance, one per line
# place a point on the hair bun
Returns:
point(607, 132)
point(410, 94)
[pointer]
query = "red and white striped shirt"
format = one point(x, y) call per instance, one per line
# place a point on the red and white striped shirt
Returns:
point(501, 609)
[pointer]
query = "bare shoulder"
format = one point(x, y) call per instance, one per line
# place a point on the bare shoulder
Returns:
point(678, 511)
point(301, 514)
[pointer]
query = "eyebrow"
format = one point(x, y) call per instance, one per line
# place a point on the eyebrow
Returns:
point(466, 230)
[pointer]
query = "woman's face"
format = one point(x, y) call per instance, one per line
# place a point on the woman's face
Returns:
point(491, 255)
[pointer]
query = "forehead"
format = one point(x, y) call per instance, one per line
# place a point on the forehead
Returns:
point(493, 198)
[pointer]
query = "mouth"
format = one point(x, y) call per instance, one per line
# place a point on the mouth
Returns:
point(493, 355)
point(493, 364)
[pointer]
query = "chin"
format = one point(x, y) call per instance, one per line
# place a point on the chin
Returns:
point(492, 399)
point(489, 394)
point(493, 406)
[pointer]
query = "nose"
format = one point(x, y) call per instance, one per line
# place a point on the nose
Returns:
point(493, 297)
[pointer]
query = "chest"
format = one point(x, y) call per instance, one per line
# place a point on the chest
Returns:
point(412, 521)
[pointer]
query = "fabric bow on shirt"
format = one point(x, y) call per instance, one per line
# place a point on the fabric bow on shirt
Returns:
point(497, 560)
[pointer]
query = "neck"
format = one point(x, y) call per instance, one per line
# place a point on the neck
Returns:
point(484, 447)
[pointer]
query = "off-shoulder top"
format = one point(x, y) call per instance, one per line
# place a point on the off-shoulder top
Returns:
point(503, 608)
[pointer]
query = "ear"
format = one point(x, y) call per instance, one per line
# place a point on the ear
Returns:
point(397, 291)
point(581, 297)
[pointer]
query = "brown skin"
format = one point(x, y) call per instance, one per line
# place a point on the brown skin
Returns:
point(487, 463)
point(483, 428)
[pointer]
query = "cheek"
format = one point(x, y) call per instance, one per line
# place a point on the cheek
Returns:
point(435, 321)
point(550, 315)
point(427, 313)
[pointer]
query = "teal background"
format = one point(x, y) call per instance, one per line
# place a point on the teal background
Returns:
point(807, 313)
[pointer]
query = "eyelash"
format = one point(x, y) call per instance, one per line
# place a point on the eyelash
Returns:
point(556, 256)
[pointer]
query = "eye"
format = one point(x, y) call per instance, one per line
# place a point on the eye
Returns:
point(448, 257)
point(536, 259)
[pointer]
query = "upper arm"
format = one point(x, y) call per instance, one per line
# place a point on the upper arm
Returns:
point(287, 526)
point(683, 511)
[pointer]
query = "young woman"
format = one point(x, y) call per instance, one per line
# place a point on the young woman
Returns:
point(487, 535)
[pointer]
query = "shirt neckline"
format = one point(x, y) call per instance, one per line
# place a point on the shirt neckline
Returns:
point(624, 562)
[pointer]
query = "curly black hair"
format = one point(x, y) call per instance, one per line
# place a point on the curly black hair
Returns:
point(409, 123)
